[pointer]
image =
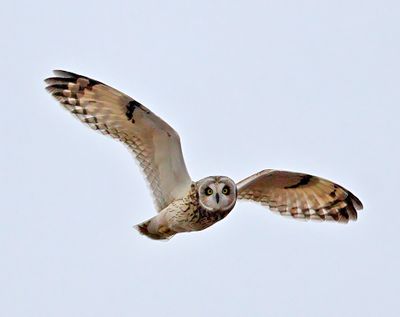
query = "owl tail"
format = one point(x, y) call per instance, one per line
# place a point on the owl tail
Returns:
point(153, 230)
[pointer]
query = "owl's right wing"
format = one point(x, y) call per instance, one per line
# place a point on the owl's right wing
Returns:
point(300, 195)
point(156, 145)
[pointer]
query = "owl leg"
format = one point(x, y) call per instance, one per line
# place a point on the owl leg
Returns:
point(155, 229)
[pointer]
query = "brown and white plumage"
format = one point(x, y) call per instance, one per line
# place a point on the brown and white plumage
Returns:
point(156, 145)
point(300, 195)
point(184, 205)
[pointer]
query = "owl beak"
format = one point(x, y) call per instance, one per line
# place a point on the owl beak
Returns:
point(217, 197)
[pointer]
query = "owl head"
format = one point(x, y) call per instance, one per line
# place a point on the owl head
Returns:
point(217, 193)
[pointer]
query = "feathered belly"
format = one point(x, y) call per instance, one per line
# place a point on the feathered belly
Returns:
point(195, 219)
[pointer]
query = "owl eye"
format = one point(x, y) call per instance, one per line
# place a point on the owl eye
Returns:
point(226, 190)
point(209, 191)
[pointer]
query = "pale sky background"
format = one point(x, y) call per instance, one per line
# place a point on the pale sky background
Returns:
point(308, 86)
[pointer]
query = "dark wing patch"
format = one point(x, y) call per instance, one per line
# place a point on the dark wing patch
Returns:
point(304, 180)
point(130, 108)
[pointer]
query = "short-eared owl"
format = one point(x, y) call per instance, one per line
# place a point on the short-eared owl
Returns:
point(182, 204)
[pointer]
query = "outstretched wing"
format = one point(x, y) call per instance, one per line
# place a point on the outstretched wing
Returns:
point(156, 145)
point(300, 195)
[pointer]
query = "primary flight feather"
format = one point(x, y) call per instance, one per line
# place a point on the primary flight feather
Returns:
point(184, 205)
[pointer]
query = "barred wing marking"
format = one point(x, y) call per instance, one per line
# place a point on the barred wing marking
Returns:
point(156, 145)
point(300, 195)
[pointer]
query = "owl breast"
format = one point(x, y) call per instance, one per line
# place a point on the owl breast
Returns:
point(187, 214)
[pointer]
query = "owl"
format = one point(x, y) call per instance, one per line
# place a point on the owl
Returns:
point(184, 205)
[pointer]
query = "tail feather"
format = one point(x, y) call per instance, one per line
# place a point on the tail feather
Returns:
point(162, 233)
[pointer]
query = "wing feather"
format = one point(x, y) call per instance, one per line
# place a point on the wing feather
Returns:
point(300, 195)
point(155, 144)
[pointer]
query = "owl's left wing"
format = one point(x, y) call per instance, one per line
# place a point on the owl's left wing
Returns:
point(300, 195)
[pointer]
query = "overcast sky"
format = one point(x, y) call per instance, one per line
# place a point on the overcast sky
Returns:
point(309, 86)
